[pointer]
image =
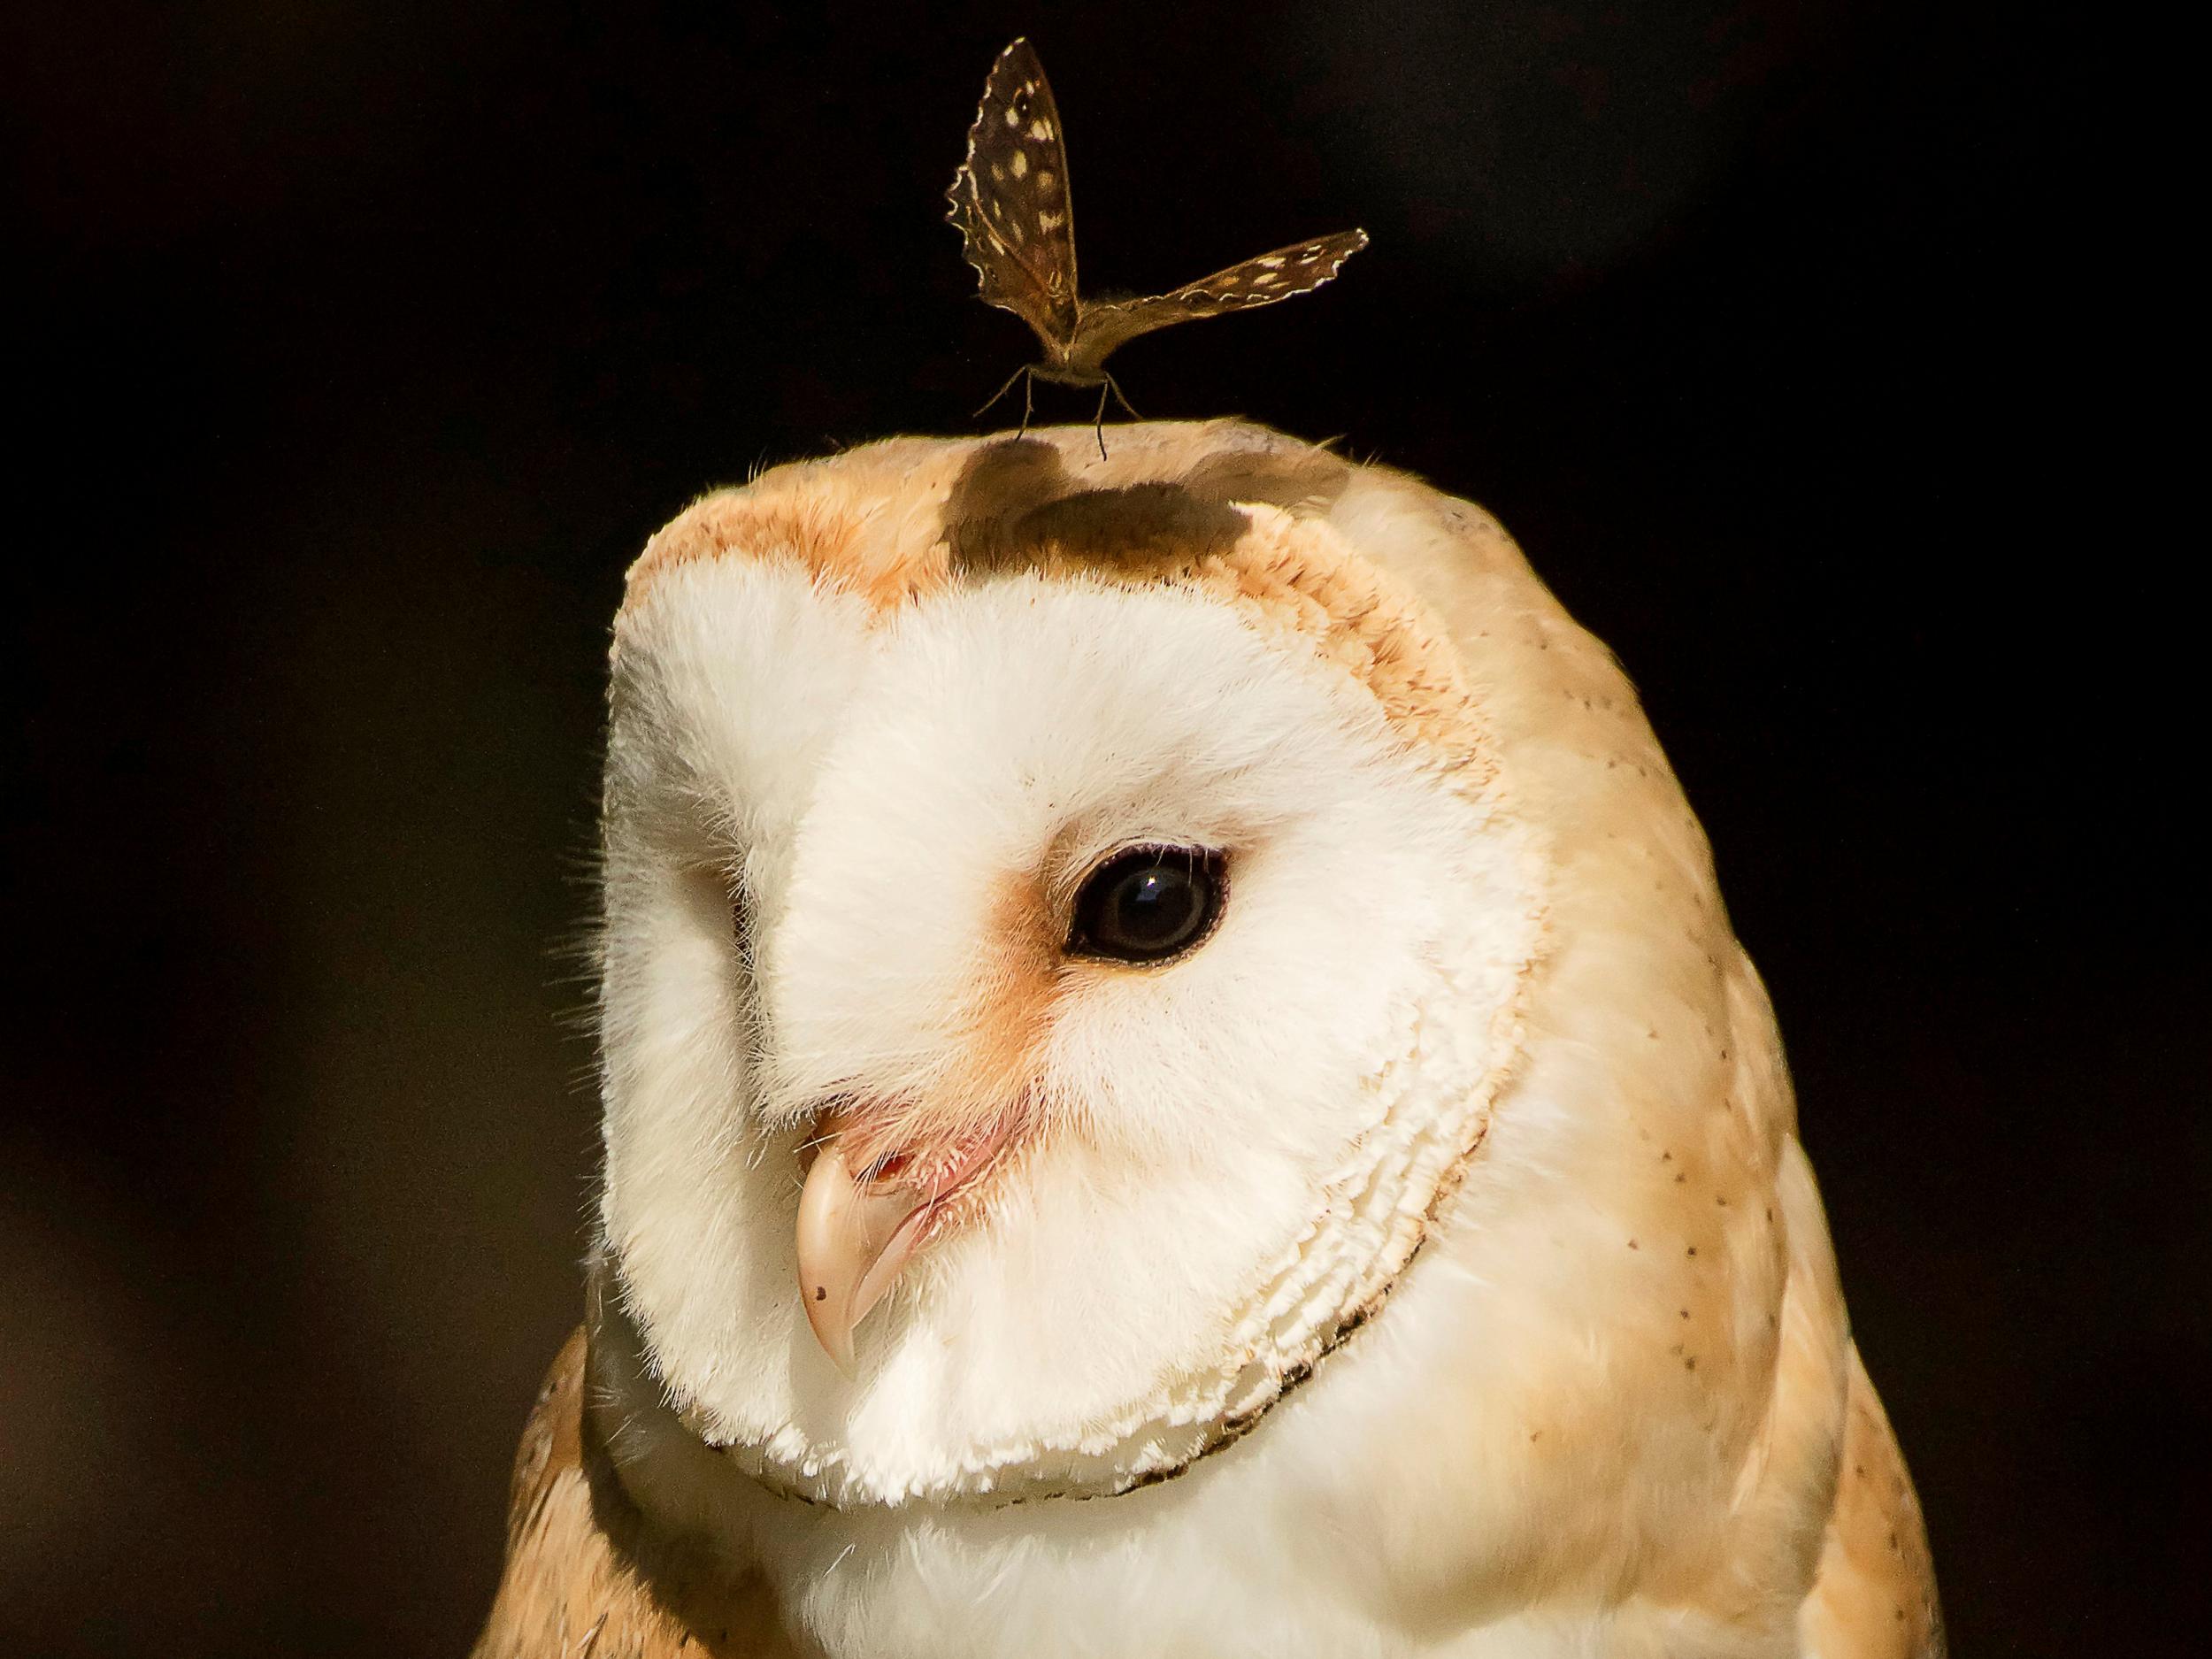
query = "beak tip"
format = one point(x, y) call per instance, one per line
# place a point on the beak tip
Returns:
point(833, 1333)
point(854, 1235)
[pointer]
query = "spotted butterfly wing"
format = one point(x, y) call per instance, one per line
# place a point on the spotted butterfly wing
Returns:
point(1298, 269)
point(1010, 200)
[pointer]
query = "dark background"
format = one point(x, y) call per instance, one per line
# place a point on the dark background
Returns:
point(357, 348)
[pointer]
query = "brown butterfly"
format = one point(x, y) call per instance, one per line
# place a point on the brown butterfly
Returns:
point(1011, 201)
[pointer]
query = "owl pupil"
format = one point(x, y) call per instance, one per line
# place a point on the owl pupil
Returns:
point(1148, 903)
point(1155, 905)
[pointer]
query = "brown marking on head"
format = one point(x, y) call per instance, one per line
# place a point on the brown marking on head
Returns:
point(999, 486)
point(895, 520)
point(1243, 525)
point(1127, 530)
point(1224, 509)
point(1017, 504)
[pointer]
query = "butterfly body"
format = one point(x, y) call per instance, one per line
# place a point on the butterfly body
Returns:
point(1011, 201)
point(1063, 369)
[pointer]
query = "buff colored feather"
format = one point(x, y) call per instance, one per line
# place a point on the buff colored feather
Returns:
point(1552, 1360)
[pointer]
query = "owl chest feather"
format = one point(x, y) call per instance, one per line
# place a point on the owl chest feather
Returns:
point(1335, 1538)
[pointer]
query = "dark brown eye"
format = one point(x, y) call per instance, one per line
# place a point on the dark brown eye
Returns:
point(1149, 903)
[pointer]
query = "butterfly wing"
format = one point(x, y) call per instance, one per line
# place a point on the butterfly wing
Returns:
point(1298, 269)
point(1011, 199)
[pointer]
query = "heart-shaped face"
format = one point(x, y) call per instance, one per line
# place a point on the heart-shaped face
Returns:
point(1044, 995)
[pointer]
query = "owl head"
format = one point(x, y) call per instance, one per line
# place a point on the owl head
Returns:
point(1069, 926)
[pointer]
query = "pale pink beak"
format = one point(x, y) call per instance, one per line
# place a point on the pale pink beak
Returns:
point(858, 1226)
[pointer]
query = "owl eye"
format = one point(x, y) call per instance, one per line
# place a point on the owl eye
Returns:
point(1149, 903)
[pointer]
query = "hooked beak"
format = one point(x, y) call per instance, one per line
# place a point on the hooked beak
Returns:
point(859, 1223)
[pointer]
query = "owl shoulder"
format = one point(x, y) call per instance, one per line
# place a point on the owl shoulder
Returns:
point(1874, 1595)
point(581, 1575)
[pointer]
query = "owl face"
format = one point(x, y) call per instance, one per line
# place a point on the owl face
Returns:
point(1046, 992)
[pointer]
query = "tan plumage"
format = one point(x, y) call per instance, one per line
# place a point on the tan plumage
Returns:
point(582, 1580)
point(585, 1578)
point(1660, 1425)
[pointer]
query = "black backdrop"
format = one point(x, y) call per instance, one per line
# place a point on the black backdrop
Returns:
point(358, 348)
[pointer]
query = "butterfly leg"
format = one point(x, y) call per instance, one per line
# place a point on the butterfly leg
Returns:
point(1114, 386)
point(1001, 392)
point(1098, 421)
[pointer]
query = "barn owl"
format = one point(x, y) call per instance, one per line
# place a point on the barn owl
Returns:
point(1176, 1082)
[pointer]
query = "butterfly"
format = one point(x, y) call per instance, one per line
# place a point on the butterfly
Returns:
point(1009, 200)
